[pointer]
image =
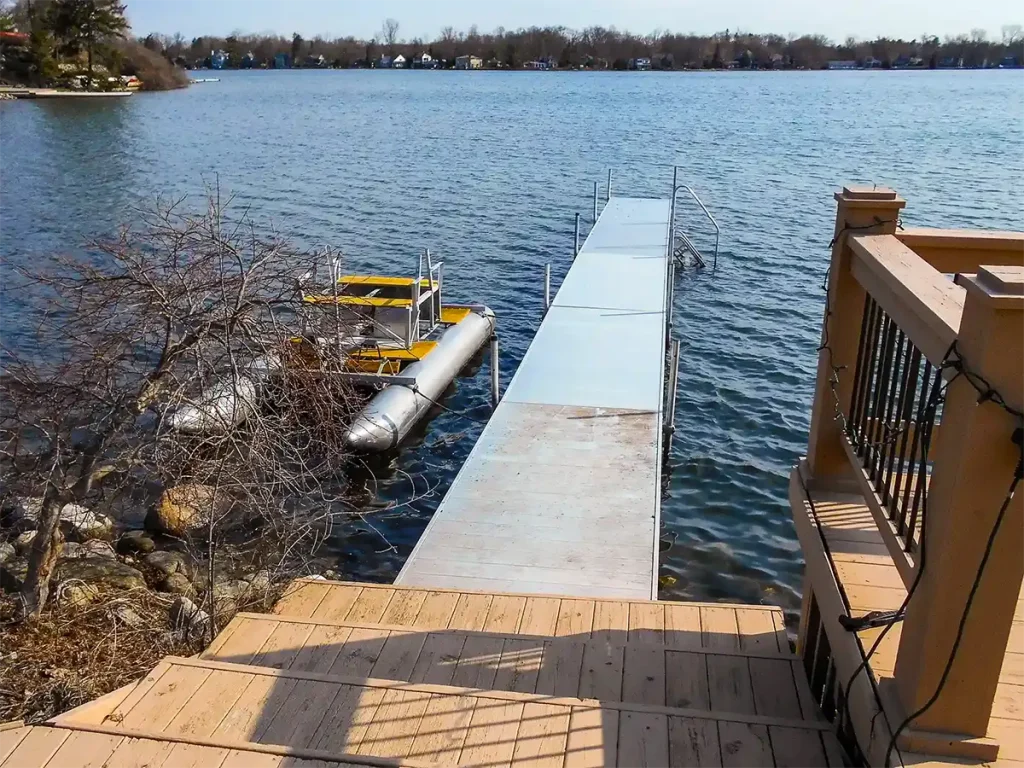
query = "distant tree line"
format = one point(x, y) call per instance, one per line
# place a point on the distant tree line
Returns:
point(595, 48)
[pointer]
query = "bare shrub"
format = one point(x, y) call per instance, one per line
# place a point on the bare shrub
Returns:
point(181, 316)
point(155, 71)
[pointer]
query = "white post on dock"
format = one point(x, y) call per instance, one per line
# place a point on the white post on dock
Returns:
point(495, 374)
point(576, 238)
point(608, 189)
point(547, 287)
point(595, 202)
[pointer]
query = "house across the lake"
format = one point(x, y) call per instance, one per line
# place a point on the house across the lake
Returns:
point(469, 62)
point(423, 61)
point(399, 62)
point(641, 64)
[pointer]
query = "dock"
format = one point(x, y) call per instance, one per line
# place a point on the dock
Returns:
point(560, 494)
point(524, 629)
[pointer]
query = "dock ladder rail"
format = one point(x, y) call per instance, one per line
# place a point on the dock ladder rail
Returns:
point(678, 235)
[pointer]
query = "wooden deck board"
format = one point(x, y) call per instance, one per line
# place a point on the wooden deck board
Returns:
point(446, 677)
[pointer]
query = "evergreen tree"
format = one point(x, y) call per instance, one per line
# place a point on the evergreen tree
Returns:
point(86, 24)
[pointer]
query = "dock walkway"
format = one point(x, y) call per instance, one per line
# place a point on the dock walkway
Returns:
point(560, 495)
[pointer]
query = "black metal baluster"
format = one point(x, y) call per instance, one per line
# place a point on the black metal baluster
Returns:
point(873, 336)
point(862, 348)
point(878, 401)
point(906, 414)
point(886, 437)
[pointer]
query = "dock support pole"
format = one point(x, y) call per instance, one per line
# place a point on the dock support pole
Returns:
point(595, 202)
point(576, 237)
point(495, 373)
point(608, 189)
point(547, 287)
point(670, 400)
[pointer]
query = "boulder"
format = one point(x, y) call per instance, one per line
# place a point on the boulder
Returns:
point(23, 543)
point(79, 522)
point(183, 509)
point(132, 542)
point(189, 618)
point(260, 582)
point(76, 521)
point(99, 549)
point(167, 562)
point(93, 569)
point(6, 551)
point(77, 594)
point(177, 584)
point(73, 549)
point(12, 574)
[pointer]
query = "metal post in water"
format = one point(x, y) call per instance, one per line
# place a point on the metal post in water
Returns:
point(595, 202)
point(495, 375)
point(547, 287)
point(576, 238)
point(675, 177)
point(608, 190)
point(670, 405)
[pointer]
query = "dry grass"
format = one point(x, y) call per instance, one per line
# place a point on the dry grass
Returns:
point(70, 655)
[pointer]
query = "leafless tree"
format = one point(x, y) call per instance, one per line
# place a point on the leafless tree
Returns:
point(389, 33)
point(179, 354)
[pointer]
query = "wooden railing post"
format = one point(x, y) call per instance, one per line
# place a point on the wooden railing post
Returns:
point(973, 467)
point(861, 210)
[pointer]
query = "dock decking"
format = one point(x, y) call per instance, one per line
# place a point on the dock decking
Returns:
point(560, 495)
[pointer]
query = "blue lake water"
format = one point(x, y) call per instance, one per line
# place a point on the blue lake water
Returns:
point(487, 169)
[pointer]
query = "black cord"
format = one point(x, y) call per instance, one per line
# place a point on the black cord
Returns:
point(963, 617)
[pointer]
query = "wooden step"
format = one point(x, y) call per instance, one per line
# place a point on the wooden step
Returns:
point(37, 746)
point(324, 716)
point(766, 683)
point(690, 626)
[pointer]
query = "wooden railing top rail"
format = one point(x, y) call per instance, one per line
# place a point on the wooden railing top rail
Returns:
point(922, 301)
point(964, 250)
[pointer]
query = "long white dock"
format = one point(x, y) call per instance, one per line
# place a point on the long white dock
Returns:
point(561, 494)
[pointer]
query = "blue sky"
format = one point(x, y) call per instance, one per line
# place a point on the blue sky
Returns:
point(424, 18)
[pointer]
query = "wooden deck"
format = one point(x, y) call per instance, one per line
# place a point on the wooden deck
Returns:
point(359, 674)
point(872, 582)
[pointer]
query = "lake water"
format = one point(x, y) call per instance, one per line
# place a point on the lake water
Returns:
point(487, 169)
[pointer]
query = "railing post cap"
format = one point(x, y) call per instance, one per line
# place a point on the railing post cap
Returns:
point(864, 194)
point(1003, 285)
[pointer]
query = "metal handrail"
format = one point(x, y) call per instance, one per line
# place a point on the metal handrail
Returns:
point(718, 230)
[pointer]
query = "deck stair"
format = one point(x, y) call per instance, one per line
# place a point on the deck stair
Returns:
point(365, 674)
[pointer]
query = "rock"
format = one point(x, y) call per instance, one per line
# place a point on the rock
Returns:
point(84, 524)
point(19, 512)
point(76, 521)
point(167, 562)
point(260, 582)
point(127, 615)
point(77, 594)
point(93, 569)
point(189, 618)
point(230, 589)
point(12, 574)
point(6, 551)
point(23, 543)
point(99, 549)
point(177, 584)
point(73, 549)
point(135, 541)
point(183, 509)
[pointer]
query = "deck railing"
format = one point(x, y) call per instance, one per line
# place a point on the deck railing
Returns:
point(919, 392)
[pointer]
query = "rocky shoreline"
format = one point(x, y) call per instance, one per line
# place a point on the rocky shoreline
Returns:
point(98, 557)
